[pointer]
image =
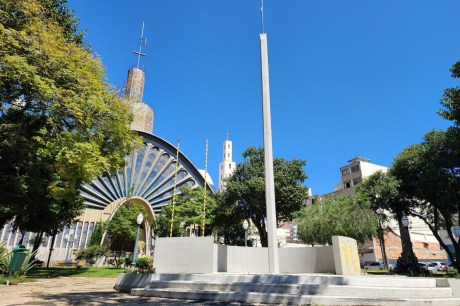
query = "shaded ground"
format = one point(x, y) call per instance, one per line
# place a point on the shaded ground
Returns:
point(81, 291)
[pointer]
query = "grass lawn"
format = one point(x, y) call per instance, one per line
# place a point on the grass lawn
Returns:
point(75, 272)
point(15, 280)
point(376, 272)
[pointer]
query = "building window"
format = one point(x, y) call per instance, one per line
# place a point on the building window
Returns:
point(347, 184)
point(345, 171)
point(355, 168)
point(356, 181)
point(229, 146)
point(229, 166)
point(228, 154)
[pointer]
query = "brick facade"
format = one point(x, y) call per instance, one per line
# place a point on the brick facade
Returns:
point(393, 247)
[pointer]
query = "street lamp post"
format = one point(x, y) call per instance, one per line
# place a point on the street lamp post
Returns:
point(410, 259)
point(69, 239)
point(139, 220)
point(245, 226)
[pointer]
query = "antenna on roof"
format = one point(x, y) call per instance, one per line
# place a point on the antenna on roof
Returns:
point(143, 42)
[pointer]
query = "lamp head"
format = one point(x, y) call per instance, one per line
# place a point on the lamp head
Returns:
point(140, 218)
point(405, 221)
point(245, 224)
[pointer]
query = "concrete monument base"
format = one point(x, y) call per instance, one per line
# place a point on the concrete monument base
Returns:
point(292, 289)
point(201, 255)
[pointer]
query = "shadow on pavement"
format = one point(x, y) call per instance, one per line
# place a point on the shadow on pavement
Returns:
point(111, 298)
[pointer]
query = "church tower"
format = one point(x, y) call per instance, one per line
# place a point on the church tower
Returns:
point(227, 166)
point(143, 114)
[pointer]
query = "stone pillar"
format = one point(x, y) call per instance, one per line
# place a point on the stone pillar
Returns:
point(273, 260)
point(143, 114)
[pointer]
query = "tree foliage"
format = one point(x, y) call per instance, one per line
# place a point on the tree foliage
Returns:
point(245, 191)
point(229, 222)
point(382, 190)
point(60, 123)
point(98, 233)
point(451, 100)
point(429, 173)
point(122, 228)
point(350, 216)
point(188, 214)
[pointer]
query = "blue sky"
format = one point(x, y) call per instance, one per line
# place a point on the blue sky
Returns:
point(347, 78)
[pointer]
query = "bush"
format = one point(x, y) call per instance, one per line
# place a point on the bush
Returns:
point(128, 261)
point(92, 253)
point(144, 264)
point(4, 258)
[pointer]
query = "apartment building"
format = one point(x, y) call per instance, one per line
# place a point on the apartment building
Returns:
point(354, 173)
point(425, 245)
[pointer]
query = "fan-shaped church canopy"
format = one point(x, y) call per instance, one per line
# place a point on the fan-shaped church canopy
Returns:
point(148, 174)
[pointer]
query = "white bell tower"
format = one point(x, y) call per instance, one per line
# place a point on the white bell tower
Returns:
point(227, 166)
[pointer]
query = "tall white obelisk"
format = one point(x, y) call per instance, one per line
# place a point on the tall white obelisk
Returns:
point(273, 260)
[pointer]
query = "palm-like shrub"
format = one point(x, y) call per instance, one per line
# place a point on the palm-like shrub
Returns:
point(5, 258)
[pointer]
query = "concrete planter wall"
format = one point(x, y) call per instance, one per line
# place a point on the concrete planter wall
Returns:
point(127, 281)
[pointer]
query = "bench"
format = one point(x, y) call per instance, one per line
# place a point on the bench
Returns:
point(67, 264)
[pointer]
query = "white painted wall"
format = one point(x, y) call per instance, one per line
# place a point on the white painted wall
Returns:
point(186, 255)
point(368, 169)
point(307, 260)
point(201, 255)
point(246, 259)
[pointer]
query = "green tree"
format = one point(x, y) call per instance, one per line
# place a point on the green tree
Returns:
point(429, 178)
point(350, 216)
point(122, 228)
point(229, 222)
point(61, 124)
point(98, 233)
point(382, 191)
point(188, 214)
point(245, 192)
point(451, 107)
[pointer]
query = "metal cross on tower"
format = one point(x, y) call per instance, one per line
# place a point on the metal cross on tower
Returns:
point(143, 42)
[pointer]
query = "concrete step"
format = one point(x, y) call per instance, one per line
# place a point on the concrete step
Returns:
point(307, 289)
point(288, 299)
point(311, 279)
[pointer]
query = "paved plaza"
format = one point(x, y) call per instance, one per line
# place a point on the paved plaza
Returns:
point(81, 291)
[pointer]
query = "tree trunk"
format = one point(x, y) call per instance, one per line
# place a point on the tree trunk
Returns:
point(38, 240)
point(51, 248)
point(22, 238)
point(262, 232)
point(382, 246)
